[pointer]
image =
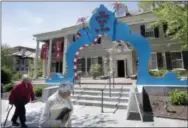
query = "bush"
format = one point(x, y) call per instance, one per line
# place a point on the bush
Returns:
point(178, 97)
point(8, 87)
point(159, 73)
point(180, 73)
point(38, 90)
point(95, 70)
point(6, 75)
point(16, 76)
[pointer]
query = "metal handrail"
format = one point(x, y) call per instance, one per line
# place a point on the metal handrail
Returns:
point(102, 94)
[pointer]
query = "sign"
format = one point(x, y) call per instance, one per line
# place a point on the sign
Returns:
point(102, 19)
point(58, 50)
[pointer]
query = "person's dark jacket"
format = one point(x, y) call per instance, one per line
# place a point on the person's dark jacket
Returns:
point(21, 94)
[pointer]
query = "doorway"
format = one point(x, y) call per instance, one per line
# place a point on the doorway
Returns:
point(121, 68)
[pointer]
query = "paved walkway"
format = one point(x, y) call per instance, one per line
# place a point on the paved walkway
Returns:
point(85, 116)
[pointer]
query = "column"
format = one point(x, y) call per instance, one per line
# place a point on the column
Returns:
point(36, 61)
point(44, 68)
point(164, 59)
point(49, 58)
point(86, 66)
point(64, 54)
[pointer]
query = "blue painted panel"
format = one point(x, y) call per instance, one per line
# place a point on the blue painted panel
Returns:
point(104, 22)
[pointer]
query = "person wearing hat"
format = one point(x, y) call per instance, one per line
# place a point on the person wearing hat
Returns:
point(58, 108)
point(20, 95)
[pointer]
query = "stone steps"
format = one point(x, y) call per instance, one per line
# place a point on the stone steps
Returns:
point(98, 104)
point(92, 96)
point(99, 93)
point(98, 98)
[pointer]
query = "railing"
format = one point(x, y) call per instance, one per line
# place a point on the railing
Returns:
point(102, 93)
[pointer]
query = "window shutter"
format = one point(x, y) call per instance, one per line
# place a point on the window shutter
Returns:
point(83, 64)
point(156, 31)
point(165, 27)
point(185, 59)
point(142, 30)
point(160, 60)
point(88, 64)
point(168, 60)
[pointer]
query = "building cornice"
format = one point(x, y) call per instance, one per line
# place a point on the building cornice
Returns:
point(130, 20)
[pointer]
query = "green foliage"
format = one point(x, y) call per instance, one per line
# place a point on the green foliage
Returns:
point(174, 13)
point(95, 70)
point(159, 73)
point(8, 87)
point(179, 73)
point(178, 97)
point(31, 67)
point(6, 56)
point(38, 90)
point(6, 75)
point(16, 76)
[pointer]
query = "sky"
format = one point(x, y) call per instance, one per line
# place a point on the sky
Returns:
point(21, 20)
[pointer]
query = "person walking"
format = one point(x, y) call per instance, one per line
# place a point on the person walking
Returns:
point(20, 95)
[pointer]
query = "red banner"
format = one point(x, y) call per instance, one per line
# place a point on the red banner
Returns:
point(58, 50)
point(44, 50)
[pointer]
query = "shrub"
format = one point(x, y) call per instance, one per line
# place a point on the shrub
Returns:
point(95, 70)
point(180, 73)
point(159, 73)
point(178, 97)
point(38, 90)
point(8, 87)
point(16, 76)
point(6, 75)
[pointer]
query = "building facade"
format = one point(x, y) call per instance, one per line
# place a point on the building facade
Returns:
point(21, 58)
point(165, 53)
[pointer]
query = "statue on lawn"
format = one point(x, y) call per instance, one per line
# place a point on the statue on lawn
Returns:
point(58, 108)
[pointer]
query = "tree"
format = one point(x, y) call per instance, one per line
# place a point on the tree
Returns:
point(31, 67)
point(172, 13)
point(6, 56)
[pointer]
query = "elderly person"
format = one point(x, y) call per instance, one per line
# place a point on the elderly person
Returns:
point(58, 108)
point(20, 95)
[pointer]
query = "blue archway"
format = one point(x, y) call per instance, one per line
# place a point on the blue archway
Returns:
point(103, 22)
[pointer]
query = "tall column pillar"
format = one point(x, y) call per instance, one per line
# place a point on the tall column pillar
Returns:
point(36, 61)
point(64, 54)
point(164, 59)
point(86, 66)
point(49, 58)
point(44, 68)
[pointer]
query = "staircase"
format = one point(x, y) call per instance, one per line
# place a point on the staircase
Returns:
point(92, 96)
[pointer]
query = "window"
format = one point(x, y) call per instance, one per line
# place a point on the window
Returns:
point(149, 33)
point(94, 61)
point(81, 64)
point(17, 61)
point(99, 41)
point(153, 62)
point(17, 69)
point(177, 60)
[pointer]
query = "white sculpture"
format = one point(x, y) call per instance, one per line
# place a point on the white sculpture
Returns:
point(58, 108)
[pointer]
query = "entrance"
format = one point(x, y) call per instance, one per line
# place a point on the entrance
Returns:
point(58, 67)
point(121, 68)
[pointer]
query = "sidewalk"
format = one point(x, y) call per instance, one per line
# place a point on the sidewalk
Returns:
point(85, 116)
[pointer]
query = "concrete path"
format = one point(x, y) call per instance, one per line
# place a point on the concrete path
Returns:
point(85, 116)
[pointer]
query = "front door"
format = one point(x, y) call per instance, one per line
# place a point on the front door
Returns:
point(121, 68)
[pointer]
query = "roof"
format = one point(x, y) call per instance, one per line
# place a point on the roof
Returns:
point(27, 54)
point(123, 19)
